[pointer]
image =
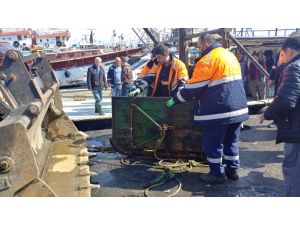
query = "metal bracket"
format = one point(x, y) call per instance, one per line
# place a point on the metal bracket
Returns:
point(4, 183)
point(4, 110)
point(162, 128)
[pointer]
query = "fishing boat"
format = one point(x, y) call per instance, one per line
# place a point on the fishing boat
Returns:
point(69, 63)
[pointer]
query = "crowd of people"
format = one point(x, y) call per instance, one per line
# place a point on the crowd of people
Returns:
point(119, 77)
point(256, 83)
point(218, 85)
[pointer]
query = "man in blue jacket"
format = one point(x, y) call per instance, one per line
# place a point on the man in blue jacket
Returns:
point(114, 77)
point(220, 108)
point(285, 109)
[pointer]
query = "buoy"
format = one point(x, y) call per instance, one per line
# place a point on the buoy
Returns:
point(16, 44)
point(58, 44)
point(67, 73)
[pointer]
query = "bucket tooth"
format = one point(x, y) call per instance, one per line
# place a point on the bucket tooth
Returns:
point(82, 160)
point(83, 163)
point(88, 154)
point(86, 172)
point(92, 155)
point(93, 173)
point(90, 186)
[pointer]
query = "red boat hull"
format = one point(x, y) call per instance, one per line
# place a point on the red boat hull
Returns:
point(83, 58)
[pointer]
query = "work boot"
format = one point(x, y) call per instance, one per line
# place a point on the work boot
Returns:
point(96, 108)
point(212, 179)
point(231, 174)
point(100, 111)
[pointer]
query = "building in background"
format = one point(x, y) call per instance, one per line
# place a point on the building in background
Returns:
point(17, 37)
point(26, 38)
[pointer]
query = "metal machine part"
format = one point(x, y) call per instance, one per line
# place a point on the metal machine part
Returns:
point(41, 151)
point(145, 126)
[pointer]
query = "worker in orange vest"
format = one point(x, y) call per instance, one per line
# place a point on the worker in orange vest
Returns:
point(221, 106)
point(150, 66)
point(166, 78)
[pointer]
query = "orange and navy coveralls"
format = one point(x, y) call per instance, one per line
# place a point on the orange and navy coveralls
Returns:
point(221, 105)
point(168, 78)
point(150, 66)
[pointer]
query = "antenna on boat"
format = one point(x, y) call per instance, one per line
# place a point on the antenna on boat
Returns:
point(112, 40)
point(92, 36)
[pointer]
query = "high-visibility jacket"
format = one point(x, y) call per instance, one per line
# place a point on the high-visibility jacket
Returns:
point(218, 88)
point(150, 66)
point(178, 75)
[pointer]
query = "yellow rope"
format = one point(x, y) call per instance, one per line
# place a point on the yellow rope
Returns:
point(168, 165)
point(165, 177)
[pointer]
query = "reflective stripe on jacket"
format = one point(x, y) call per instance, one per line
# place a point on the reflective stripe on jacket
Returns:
point(178, 75)
point(218, 87)
point(150, 66)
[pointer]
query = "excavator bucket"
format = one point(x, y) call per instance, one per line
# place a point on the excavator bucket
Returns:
point(41, 151)
point(145, 126)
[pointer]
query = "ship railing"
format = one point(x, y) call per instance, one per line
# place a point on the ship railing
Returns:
point(276, 32)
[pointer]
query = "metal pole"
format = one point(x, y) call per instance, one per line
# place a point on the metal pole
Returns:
point(191, 36)
point(182, 43)
point(149, 33)
point(141, 39)
point(256, 64)
point(146, 115)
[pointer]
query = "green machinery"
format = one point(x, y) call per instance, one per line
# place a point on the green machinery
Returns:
point(145, 126)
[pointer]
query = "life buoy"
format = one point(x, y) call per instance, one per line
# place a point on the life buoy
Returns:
point(58, 44)
point(16, 44)
point(47, 45)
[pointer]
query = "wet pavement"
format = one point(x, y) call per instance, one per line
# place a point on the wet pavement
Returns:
point(260, 172)
point(79, 104)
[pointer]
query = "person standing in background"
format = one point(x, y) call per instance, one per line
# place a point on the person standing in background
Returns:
point(126, 77)
point(114, 75)
point(244, 68)
point(96, 81)
point(243, 63)
point(285, 109)
point(256, 81)
point(276, 72)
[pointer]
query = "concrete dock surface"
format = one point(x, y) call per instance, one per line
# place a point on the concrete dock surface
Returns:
point(261, 159)
point(260, 172)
